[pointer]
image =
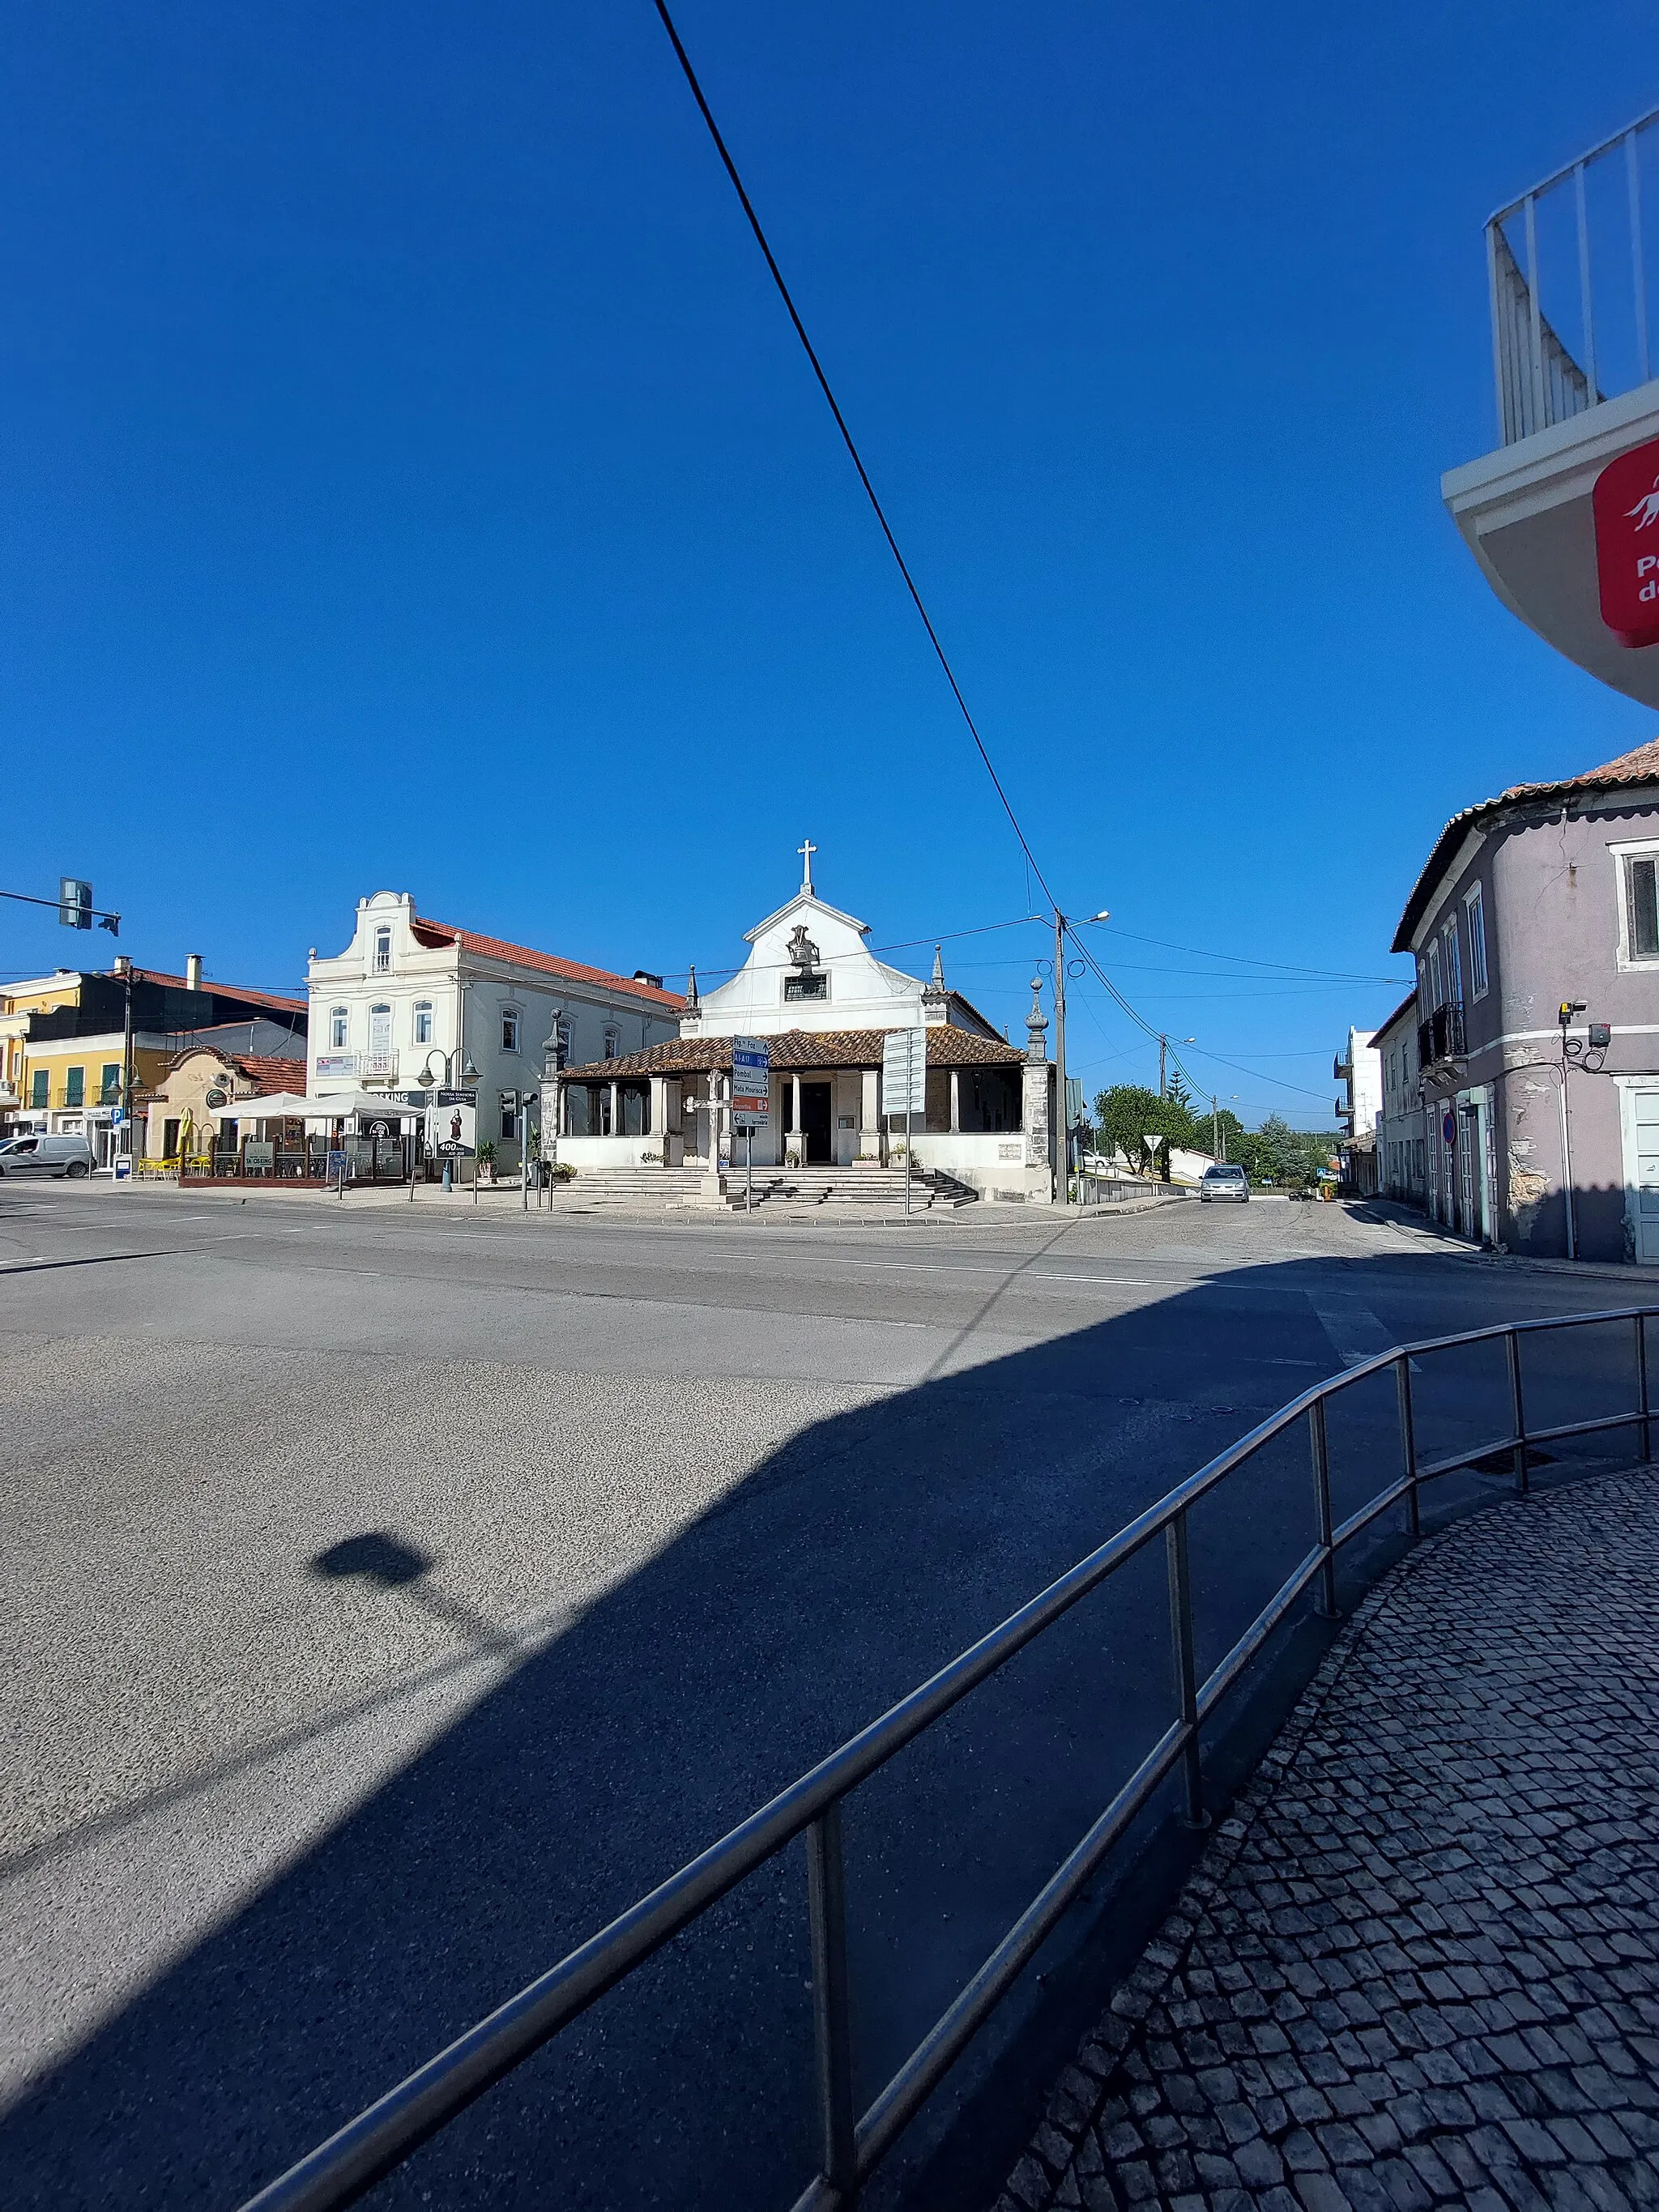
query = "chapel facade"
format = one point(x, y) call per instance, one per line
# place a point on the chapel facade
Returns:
point(823, 1003)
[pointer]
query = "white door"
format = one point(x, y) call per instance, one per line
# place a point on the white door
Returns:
point(1642, 1171)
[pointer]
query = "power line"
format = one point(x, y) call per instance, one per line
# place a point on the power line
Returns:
point(1244, 960)
point(731, 167)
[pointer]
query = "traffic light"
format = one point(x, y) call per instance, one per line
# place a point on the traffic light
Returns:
point(74, 903)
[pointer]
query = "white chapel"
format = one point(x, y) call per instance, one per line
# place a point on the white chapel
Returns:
point(812, 991)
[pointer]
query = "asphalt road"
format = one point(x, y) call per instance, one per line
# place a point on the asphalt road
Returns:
point(391, 1594)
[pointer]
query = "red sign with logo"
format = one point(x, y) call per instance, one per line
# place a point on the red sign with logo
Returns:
point(1626, 504)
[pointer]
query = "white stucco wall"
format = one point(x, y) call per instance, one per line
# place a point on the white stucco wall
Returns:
point(863, 992)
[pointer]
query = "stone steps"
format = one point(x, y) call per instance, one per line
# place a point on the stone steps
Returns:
point(812, 1191)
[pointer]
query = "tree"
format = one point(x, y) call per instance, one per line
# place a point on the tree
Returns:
point(1179, 1095)
point(1127, 1114)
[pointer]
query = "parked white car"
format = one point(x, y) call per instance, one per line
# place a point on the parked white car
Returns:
point(46, 1156)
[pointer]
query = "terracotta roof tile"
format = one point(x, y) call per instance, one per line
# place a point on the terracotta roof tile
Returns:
point(796, 1051)
point(211, 984)
point(433, 933)
point(1639, 766)
point(269, 1073)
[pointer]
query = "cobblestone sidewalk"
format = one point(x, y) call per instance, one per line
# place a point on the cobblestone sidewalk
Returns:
point(1419, 1965)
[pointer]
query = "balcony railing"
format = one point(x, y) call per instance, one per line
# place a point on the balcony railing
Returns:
point(1567, 268)
point(1440, 1038)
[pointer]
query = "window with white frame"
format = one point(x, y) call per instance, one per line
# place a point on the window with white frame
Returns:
point(382, 951)
point(339, 1022)
point(1641, 905)
point(509, 1029)
point(612, 1043)
point(1453, 965)
point(1475, 907)
point(1436, 996)
point(422, 1021)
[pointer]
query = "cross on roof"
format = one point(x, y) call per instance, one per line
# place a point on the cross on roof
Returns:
point(807, 852)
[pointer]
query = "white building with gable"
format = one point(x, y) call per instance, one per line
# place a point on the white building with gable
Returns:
point(410, 998)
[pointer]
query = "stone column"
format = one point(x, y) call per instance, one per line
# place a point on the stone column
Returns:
point(616, 1110)
point(712, 1188)
point(956, 1101)
point(796, 1131)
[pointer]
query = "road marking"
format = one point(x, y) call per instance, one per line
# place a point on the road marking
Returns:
point(1354, 1330)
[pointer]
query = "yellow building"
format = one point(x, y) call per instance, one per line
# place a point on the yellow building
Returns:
point(83, 1052)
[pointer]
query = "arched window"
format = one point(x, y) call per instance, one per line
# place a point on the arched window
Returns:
point(422, 1021)
point(382, 951)
point(379, 1028)
point(509, 1029)
point(338, 1023)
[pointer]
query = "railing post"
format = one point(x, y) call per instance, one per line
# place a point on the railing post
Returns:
point(826, 1897)
point(1185, 1670)
point(1402, 1381)
point(1642, 1384)
point(1321, 1474)
point(1512, 1353)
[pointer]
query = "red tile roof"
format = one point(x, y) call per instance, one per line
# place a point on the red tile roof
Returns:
point(1640, 766)
point(434, 933)
point(269, 1073)
point(222, 990)
point(796, 1051)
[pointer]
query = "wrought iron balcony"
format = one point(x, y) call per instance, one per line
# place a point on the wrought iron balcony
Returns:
point(1440, 1038)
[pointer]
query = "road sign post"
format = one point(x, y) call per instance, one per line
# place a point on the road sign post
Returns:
point(752, 1101)
point(904, 1087)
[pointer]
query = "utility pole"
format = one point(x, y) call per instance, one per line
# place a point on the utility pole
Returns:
point(1062, 1107)
point(1215, 1128)
point(126, 1063)
point(1063, 1135)
point(1569, 1008)
point(1163, 1054)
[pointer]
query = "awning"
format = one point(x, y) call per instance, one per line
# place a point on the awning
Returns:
point(290, 1106)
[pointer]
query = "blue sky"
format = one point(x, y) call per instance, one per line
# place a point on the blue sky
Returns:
point(412, 482)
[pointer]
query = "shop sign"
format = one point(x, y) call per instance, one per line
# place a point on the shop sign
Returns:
point(1625, 504)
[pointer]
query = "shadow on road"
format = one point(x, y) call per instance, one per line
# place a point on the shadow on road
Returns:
point(845, 1569)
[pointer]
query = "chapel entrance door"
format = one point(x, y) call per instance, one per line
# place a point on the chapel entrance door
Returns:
point(818, 1123)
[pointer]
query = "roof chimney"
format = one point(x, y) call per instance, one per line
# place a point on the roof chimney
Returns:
point(193, 971)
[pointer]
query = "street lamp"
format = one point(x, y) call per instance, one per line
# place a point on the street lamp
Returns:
point(428, 1082)
point(1062, 1104)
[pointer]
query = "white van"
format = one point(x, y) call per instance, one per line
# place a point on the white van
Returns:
point(46, 1156)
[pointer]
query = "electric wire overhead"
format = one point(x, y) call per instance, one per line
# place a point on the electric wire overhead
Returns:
point(848, 440)
point(730, 167)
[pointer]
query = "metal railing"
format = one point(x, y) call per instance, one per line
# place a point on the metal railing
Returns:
point(1541, 377)
point(343, 2168)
